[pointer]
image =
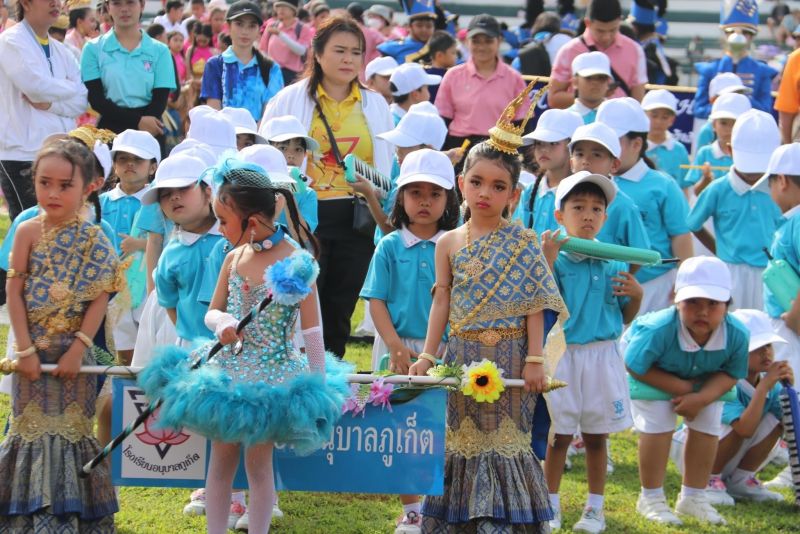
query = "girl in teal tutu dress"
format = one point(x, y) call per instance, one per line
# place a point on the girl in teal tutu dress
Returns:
point(61, 272)
point(259, 389)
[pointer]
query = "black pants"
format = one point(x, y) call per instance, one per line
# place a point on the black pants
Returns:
point(17, 184)
point(343, 262)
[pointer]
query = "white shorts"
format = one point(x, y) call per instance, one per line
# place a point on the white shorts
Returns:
point(596, 399)
point(658, 292)
point(380, 349)
point(658, 417)
point(789, 351)
point(127, 327)
point(747, 288)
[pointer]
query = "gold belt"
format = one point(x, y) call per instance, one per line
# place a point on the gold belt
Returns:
point(490, 336)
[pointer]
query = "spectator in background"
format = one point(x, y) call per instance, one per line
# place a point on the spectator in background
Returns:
point(319, 14)
point(421, 25)
point(788, 102)
point(198, 9)
point(379, 18)
point(628, 66)
point(442, 56)
point(547, 36)
point(216, 18)
point(660, 70)
point(286, 39)
point(172, 19)
point(373, 37)
point(82, 23)
point(5, 21)
point(157, 32)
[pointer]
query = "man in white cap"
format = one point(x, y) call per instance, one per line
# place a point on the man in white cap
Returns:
point(591, 77)
point(745, 220)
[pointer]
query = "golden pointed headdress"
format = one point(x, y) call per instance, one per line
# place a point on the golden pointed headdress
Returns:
point(505, 136)
point(88, 134)
point(72, 5)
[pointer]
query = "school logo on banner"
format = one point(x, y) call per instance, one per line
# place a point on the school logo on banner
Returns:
point(394, 448)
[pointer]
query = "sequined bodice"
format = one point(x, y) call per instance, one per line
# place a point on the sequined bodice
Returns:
point(268, 353)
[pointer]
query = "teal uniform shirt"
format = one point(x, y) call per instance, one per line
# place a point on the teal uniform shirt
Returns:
point(668, 158)
point(589, 115)
point(624, 225)
point(706, 135)
point(732, 411)
point(785, 246)
point(712, 154)
point(119, 210)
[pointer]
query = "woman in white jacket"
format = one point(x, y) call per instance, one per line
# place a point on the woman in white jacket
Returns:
point(355, 116)
point(41, 94)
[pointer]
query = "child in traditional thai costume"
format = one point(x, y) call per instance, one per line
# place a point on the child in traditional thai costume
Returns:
point(62, 270)
point(496, 291)
point(259, 389)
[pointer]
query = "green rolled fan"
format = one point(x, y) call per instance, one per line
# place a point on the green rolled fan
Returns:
point(609, 251)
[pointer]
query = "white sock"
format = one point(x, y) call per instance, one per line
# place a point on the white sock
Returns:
point(653, 493)
point(740, 476)
point(595, 501)
point(686, 491)
point(413, 507)
point(555, 501)
point(238, 496)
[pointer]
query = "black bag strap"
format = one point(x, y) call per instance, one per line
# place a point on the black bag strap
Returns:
point(617, 78)
point(334, 144)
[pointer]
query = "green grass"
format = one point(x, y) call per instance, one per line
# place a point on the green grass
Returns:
point(158, 511)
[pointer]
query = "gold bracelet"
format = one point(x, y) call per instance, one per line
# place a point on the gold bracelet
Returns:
point(430, 357)
point(534, 359)
point(83, 338)
point(30, 351)
point(11, 273)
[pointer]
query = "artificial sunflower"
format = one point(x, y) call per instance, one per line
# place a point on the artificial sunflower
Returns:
point(482, 381)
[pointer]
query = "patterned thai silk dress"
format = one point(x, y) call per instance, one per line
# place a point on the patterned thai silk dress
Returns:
point(493, 482)
point(51, 433)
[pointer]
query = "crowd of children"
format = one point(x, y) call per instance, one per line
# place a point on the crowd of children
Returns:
point(132, 256)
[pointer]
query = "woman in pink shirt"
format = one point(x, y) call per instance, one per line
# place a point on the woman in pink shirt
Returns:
point(286, 39)
point(472, 96)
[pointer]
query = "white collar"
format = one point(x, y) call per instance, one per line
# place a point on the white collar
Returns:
point(792, 212)
point(397, 110)
point(669, 143)
point(188, 238)
point(545, 188)
point(117, 193)
point(716, 150)
point(717, 341)
point(409, 239)
point(739, 186)
point(582, 108)
point(637, 172)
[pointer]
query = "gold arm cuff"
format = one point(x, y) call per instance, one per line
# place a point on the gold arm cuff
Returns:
point(83, 338)
point(11, 273)
point(534, 359)
point(430, 357)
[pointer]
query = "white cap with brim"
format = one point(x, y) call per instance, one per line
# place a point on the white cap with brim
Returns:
point(243, 123)
point(623, 115)
point(195, 148)
point(270, 159)
point(582, 177)
point(784, 160)
point(215, 130)
point(660, 99)
point(591, 64)
point(140, 144)
point(554, 125)
point(760, 327)
point(427, 165)
point(410, 77)
point(726, 82)
point(417, 128)
point(284, 128)
point(754, 138)
point(382, 66)
point(703, 277)
point(176, 171)
point(729, 106)
point(599, 133)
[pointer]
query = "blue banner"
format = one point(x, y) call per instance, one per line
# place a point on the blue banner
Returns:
point(398, 448)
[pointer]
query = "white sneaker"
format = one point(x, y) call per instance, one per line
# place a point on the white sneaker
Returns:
point(783, 480)
point(410, 524)
point(609, 465)
point(243, 523)
point(780, 454)
point(277, 513)
point(697, 506)
point(753, 490)
point(656, 509)
point(236, 512)
point(197, 503)
point(717, 492)
point(592, 521)
point(555, 523)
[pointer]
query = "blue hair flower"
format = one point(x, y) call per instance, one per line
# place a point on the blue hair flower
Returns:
point(291, 278)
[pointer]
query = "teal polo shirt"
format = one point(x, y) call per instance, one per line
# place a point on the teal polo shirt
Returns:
point(401, 274)
point(668, 158)
point(595, 313)
point(713, 155)
point(152, 220)
point(785, 246)
point(624, 225)
point(732, 411)
point(663, 208)
point(181, 278)
point(119, 210)
point(706, 135)
point(745, 221)
point(544, 216)
point(129, 77)
point(659, 339)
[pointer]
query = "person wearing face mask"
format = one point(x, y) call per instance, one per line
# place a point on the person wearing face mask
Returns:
point(739, 22)
point(379, 18)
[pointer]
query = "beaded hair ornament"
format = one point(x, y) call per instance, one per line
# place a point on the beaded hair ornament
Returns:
point(505, 136)
point(241, 173)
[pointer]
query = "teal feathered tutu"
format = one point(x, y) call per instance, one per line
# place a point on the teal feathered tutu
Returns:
point(263, 392)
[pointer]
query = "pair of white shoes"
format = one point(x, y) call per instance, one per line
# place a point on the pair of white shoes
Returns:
point(592, 521)
point(723, 493)
point(697, 506)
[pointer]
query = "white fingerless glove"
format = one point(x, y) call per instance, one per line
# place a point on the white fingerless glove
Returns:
point(315, 349)
point(217, 321)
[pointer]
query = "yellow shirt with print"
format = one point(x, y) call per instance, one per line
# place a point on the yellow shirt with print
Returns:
point(349, 126)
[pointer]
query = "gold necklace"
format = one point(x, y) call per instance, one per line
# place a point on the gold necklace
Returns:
point(473, 267)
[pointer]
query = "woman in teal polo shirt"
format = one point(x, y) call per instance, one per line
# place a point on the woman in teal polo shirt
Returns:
point(128, 74)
